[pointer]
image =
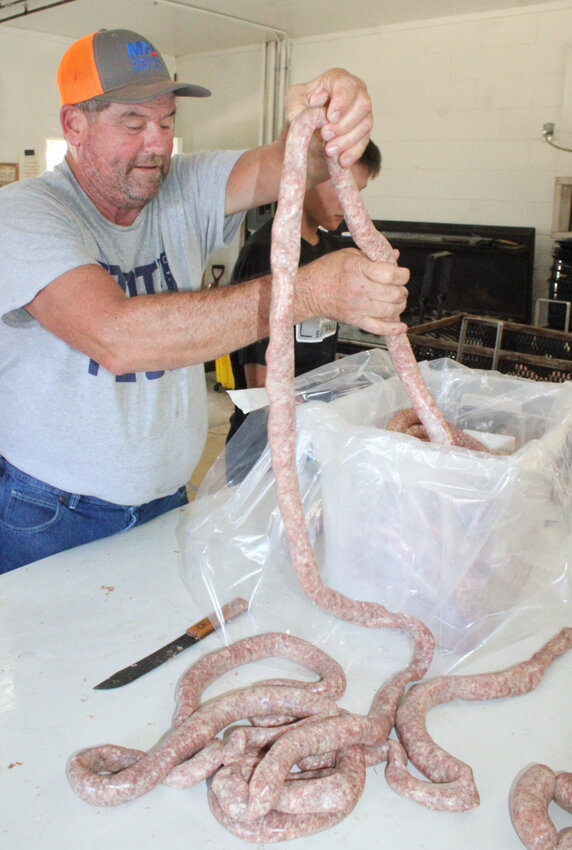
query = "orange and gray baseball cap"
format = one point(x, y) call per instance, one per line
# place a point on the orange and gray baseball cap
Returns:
point(118, 66)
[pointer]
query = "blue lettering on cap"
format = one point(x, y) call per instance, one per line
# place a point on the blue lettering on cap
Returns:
point(143, 56)
point(138, 48)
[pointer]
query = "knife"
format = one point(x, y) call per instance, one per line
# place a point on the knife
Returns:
point(193, 635)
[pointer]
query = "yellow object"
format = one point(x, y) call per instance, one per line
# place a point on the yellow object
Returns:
point(224, 375)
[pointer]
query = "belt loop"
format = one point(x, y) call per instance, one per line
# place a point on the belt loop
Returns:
point(73, 501)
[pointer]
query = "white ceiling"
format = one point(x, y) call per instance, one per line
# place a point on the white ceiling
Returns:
point(179, 31)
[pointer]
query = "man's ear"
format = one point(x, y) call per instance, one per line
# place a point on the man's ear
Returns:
point(74, 123)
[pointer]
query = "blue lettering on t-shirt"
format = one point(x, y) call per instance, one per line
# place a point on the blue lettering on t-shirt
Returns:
point(152, 277)
point(167, 274)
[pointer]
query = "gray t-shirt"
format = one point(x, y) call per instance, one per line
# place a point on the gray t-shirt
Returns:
point(63, 418)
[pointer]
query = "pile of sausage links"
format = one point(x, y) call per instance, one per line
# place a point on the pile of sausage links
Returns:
point(298, 765)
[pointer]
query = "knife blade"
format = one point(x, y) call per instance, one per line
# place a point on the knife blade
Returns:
point(193, 635)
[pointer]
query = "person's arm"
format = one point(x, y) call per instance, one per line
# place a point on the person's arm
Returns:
point(255, 178)
point(87, 309)
point(255, 375)
point(253, 261)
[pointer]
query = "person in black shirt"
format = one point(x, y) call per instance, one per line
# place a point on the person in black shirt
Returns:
point(315, 340)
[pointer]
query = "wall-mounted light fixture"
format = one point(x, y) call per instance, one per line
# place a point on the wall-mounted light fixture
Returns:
point(548, 133)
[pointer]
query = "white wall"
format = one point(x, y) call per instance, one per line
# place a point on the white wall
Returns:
point(232, 117)
point(459, 105)
point(29, 103)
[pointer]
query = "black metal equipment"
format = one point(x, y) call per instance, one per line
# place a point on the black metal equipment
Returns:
point(437, 267)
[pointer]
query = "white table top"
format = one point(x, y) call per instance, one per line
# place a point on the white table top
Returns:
point(69, 621)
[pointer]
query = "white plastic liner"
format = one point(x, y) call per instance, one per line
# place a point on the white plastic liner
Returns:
point(474, 544)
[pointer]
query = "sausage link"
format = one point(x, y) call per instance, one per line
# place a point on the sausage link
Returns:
point(302, 811)
point(275, 826)
point(376, 247)
point(280, 372)
point(332, 681)
point(563, 790)
point(533, 791)
point(252, 801)
point(95, 777)
point(437, 764)
point(241, 744)
point(407, 422)
point(457, 793)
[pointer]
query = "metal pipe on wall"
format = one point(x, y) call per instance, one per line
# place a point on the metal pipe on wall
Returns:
point(277, 73)
point(27, 10)
point(192, 8)
point(276, 65)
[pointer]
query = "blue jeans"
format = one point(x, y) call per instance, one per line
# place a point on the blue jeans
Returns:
point(37, 520)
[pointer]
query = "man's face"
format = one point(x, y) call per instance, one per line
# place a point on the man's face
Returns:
point(321, 204)
point(126, 152)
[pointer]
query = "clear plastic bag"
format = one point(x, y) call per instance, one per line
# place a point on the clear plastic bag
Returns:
point(468, 542)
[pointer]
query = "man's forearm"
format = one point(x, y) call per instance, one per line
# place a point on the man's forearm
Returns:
point(170, 330)
point(88, 310)
point(195, 327)
point(255, 177)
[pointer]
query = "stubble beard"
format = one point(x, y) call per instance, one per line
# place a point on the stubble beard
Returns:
point(139, 189)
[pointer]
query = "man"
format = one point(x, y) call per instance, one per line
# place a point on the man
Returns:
point(314, 340)
point(103, 414)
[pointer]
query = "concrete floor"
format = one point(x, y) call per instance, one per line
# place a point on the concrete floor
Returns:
point(220, 408)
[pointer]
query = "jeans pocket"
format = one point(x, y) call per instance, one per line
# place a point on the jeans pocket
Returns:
point(27, 511)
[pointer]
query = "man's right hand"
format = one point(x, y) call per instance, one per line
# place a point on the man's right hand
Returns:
point(348, 115)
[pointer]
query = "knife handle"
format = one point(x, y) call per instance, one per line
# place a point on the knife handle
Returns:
point(208, 624)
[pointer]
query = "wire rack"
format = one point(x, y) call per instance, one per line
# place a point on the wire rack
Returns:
point(527, 351)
